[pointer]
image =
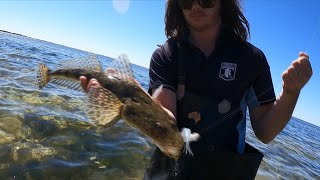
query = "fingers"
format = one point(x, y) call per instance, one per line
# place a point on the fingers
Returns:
point(93, 83)
point(306, 65)
point(303, 67)
point(87, 85)
point(287, 81)
point(293, 72)
point(84, 83)
point(303, 59)
point(298, 74)
point(303, 54)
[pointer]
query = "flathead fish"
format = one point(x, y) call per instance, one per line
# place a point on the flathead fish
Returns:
point(120, 96)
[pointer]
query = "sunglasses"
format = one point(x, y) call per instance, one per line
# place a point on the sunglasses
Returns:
point(187, 4)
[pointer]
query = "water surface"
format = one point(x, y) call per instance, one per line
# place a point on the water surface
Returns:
point(46, 135)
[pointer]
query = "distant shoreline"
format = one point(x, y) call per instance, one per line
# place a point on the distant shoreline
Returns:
point(12, 33)
point(8, 32)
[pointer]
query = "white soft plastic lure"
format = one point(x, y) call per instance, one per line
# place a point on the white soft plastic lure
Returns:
point(185, 132)
point(187, 138)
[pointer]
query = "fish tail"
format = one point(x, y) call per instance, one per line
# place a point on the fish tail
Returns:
point(43, 75)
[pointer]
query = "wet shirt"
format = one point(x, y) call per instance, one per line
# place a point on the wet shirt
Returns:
point(235, 74)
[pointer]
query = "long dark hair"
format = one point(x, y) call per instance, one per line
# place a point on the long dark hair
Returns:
point(232, 18)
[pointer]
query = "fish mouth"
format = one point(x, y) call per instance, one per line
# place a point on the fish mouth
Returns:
point(171, 151)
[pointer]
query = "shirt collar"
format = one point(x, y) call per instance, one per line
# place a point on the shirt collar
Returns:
point(223, 37)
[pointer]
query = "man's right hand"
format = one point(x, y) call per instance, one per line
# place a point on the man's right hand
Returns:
point(87, 85)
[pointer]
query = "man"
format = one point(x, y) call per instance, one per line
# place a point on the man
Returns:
point(218, 64)
point(209, 75)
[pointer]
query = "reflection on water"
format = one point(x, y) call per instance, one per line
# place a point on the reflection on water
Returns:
point(46, 135)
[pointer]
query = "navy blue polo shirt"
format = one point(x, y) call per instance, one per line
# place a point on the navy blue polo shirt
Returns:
point(235, 71)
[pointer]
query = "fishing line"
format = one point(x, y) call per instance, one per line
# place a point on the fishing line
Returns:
point(235, 111)
point(230, 114)
point(314, 35)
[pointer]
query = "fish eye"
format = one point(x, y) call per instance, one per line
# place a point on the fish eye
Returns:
point(158, 125)
point(135, 100)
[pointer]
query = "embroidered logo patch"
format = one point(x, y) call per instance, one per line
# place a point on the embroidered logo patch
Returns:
point(228, 71)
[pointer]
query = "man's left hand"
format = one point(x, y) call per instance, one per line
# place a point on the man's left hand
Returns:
point(297, 75)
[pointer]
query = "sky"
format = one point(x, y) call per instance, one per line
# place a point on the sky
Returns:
point(280, 28)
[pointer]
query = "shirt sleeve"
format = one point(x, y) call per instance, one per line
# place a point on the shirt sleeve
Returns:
point(162, 69)
point(262, 91)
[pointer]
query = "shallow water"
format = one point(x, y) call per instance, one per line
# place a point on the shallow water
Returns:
point(45, 134)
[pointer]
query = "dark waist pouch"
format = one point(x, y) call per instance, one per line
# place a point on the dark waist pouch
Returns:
point(209, 165)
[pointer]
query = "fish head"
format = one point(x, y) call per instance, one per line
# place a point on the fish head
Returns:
point(142, 112)
point(167, 137)
point(171, 151)
point(156, 124)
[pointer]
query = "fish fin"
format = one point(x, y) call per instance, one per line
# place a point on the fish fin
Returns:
point(103, 107)
point(110, 71)
point(187, 138)
point(88, 63)
point(67, 83)
point(43, 75)
point(120, 67)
